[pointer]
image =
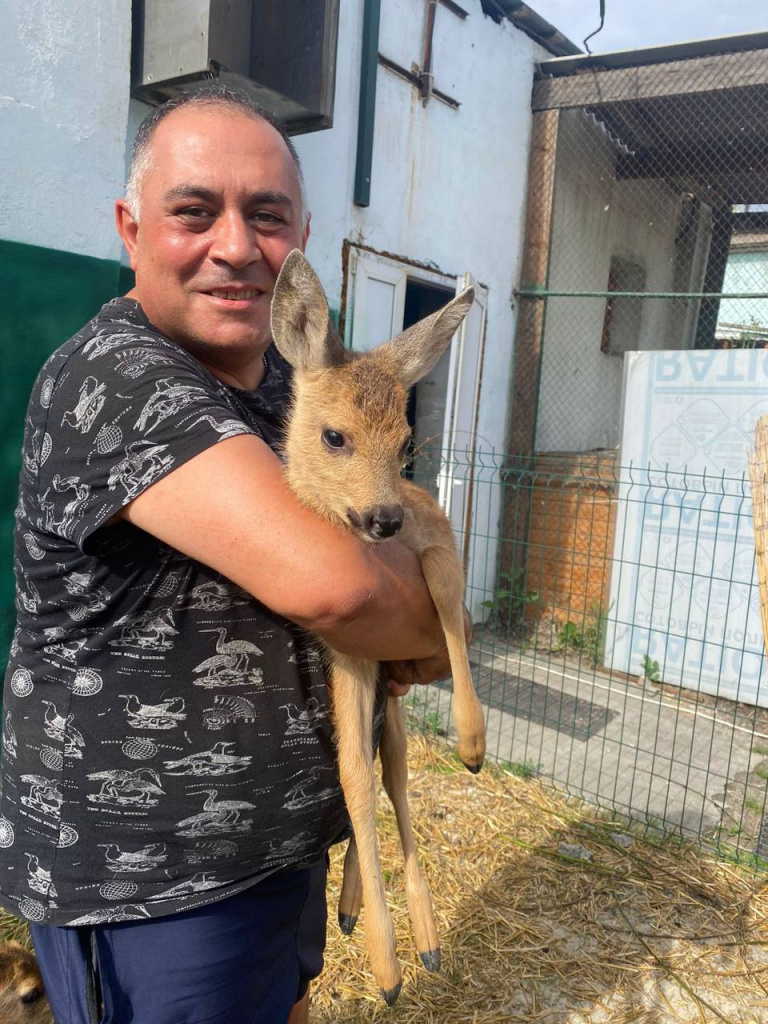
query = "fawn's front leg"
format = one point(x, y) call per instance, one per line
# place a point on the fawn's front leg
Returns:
point(445, 580)
point(353, 688)
point(394, 764)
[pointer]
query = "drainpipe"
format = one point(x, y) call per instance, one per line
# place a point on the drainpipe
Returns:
point(427, 78)
point(367, 113)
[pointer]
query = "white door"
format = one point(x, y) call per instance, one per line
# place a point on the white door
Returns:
point(378, 299)
point(461, 410)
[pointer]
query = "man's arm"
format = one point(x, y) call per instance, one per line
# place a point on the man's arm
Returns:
point(230, 508)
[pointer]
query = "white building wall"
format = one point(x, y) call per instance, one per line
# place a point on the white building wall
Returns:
point(64, 84)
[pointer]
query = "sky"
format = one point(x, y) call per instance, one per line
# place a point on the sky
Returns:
point(634, 23)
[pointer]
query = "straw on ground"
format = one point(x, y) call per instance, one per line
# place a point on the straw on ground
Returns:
point(648, 932)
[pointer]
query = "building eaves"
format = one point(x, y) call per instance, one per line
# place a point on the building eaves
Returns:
point(528, 21)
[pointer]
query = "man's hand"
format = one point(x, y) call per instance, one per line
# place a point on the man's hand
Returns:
point(401, 675)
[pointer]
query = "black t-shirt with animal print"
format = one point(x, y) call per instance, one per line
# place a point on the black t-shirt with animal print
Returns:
point(166, 738)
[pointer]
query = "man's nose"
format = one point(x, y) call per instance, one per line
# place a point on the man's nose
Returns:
point(234, 241)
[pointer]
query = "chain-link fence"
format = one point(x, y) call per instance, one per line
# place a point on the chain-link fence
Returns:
point(647, 230)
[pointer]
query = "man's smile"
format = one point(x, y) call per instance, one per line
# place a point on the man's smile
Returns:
point(235, 297)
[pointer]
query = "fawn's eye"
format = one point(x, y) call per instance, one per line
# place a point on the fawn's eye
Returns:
point(333, 438)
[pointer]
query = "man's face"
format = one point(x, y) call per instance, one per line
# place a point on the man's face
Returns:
point(220, 210)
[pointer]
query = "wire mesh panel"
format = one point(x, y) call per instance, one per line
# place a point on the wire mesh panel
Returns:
point(565, 702)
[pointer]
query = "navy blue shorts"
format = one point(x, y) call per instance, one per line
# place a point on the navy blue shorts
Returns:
point(243, 960)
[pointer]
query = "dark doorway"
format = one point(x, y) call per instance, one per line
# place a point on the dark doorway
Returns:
point(426, 402)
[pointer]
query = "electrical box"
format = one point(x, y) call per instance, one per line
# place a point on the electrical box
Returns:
point(281, 52)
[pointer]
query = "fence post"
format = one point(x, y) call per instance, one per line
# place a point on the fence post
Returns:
point(531, 312)
point(529, 334)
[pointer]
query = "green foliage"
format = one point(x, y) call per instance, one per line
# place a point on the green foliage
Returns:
point(594, 634)
point(761, 771)
point(451, 764)
point(507, 606)
point(522, 769)
point(430, 723)
point(755, 335)
point(651, 669)
point(756, 806)
point(571, 637)
point(589, 638)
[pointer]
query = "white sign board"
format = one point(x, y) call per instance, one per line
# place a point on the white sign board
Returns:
point(683, 587)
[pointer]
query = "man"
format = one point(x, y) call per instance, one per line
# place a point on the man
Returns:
point(164, 823)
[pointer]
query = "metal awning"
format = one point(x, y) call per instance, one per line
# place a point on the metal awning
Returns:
point(662, 113)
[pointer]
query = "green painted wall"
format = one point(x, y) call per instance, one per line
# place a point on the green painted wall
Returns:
point(47, 296)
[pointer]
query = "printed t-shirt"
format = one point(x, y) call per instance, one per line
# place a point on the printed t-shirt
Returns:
point(166, 737)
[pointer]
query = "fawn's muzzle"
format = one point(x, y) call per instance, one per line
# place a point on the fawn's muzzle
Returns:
point(383, 521)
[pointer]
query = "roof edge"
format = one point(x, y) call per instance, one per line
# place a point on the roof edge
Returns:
point(527, 20)
point(566, 64)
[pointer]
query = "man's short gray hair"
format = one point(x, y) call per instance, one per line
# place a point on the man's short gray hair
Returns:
point(211, 94)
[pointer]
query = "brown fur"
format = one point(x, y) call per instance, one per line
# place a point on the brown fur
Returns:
point(363, 398)
point(22, 998)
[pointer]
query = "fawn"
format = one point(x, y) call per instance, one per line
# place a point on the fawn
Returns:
point(345, 445)
point(21, 987)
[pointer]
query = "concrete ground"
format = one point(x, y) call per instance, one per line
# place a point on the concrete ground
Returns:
point(647, 752)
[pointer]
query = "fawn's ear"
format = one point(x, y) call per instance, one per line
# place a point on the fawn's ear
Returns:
point(416, 350)
point(302, 328)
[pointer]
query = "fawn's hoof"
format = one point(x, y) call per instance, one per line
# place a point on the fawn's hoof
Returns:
point(390, 994)
point(474, 768)
point(347, 923)
point(431, 960)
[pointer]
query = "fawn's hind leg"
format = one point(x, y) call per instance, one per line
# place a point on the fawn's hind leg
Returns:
point(395, 774)
point(445, 580)
point(353, 689)
point(351, 898)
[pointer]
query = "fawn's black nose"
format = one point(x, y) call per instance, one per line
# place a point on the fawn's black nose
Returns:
point(383, 521)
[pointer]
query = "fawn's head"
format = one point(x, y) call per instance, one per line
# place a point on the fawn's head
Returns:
point(348, 432)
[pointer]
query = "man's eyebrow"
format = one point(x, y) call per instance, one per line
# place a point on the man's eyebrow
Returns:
point(265, 197)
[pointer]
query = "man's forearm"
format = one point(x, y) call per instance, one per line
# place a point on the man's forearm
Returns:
point(396, 620)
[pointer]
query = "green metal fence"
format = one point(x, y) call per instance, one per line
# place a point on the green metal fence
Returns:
point(634, 680)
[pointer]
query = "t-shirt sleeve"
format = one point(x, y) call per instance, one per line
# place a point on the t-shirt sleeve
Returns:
point(118, 419)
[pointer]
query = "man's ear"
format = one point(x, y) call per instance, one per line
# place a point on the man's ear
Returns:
point(416, 350)
point(127, 228)
point(301, 324)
